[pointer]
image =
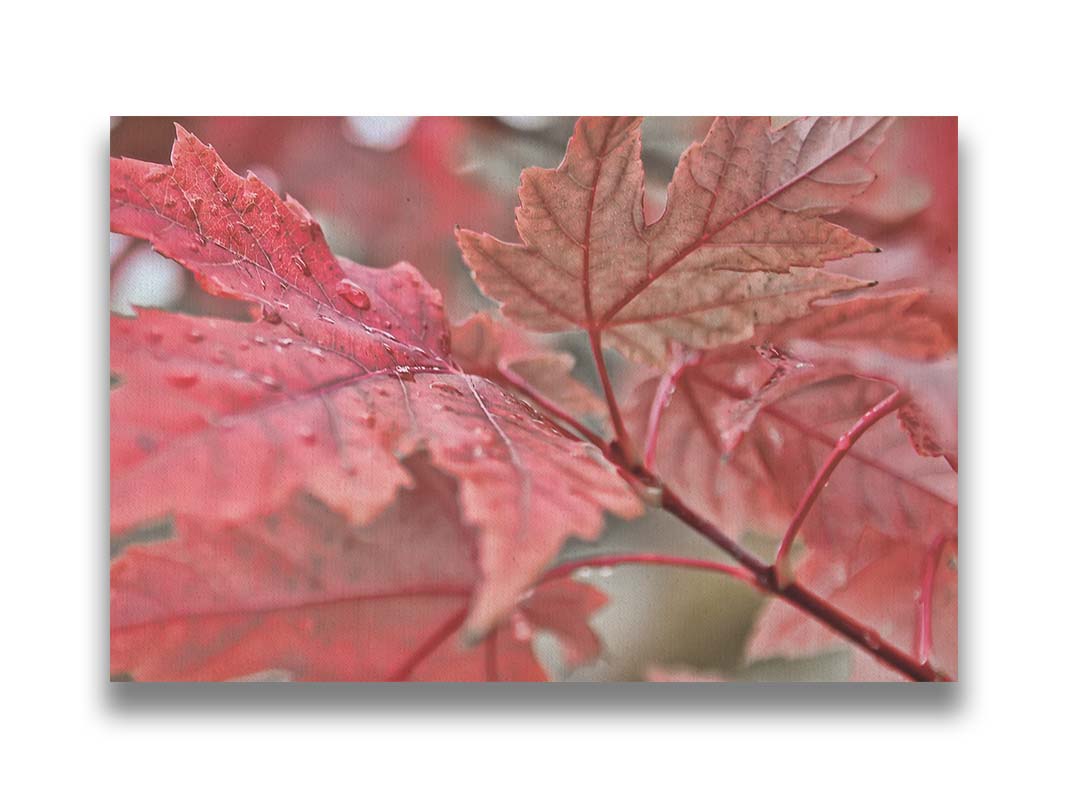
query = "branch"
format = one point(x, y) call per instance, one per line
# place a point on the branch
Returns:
point(763, 576)
point(822, 478)
point(803, 598)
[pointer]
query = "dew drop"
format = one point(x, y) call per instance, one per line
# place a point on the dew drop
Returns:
point(584, 572)
point(271, 315)
point(520, 628)
point(260, 341)
point(211, 284)
point(294, 327)
point(605, 572)
point(270, 382)
point(194, 336)
point(306, 434)
point(182, 379)
point(285, 342)
point(302, 265)
point(446, 388)
point(354, 294)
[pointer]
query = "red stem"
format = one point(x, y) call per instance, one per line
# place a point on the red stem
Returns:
point(803, 598)
point(622, 437)
point(664, 393)
point(822, 478)
point(653, 559)
point(819, 436)
point(924, 630)
point(766, 576)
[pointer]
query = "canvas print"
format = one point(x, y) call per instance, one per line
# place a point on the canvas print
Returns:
point(533, 399)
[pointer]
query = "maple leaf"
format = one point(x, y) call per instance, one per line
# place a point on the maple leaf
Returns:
point(304, 594)
point(758, 485)
point(889, 582)
point(930, 414)
point(735, 246)
point(342, 372)
point(375, 203)
point(488, 347)
point(885, 337)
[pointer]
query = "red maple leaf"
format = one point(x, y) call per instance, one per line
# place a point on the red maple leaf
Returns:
point(903, 588)
point(374, 203)
point(342, 372)
point(884, 337)
point(303, 594)
point(503, 353)
point(759, 484)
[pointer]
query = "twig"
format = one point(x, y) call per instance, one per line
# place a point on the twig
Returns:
point(664, 391)
point(803, 598)
point(924, 628)
point(819, 482)
point(766, 576)
point(622, 437)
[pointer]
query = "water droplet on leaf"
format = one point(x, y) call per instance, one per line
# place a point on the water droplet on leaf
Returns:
point(182, 379)
point(354, 294)
point(446, 388)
